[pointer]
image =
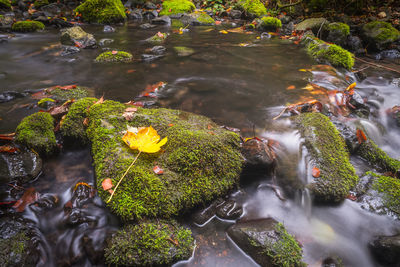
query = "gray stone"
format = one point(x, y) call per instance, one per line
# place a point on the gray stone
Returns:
point(76, 36)
point(313, 24)
point(164, 20)
point(386, 249)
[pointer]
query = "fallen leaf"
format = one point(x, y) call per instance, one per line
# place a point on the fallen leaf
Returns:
point(223, 32)
point(351, 197)
point(160, 34)
point(360, 136)
point(315, 172)
point(86, 122)
point(7, 137)
point(152, 89)
point(30, 196)
point(114, 52)
point(131, 71)
point(107, 184)
point(8, 149)
point(291, 87)
point(146, 140)
point(83, 184)
point(158, 170)
point(171, 124)
point(218, 22)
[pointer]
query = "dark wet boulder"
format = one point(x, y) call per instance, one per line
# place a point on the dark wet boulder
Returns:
point(69, 50)
point(60, 23)
point(114, 56)
point(150, 14)
point(158, 50)
point(22, 166)
point(105, 41)
point(10, 95)
point(146, 26)
point(200, 161)
point(102, 11)
point(330, 155)
point(150, 57)
point(204, 215)
point(135, 14)
point(163, 20)
point(394, 113)
point(337, 33)
point(354, 43)
point(197, 19)
point(379, 35)
point(75, 36)
point(27, 26)
point(37, 132)
point(386, 249)
point(314, 24)
point(226, 209)
point(17, 242)
point(173, 7)
point(108, 29)
point(258, 154)
point(52, 9)
point(267, 242)
point(235, 14)
point(150, 5)
point(150, 244)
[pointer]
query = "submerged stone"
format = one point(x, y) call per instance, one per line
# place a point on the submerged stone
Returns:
point(75, 36)
point(267, 242)
point(36, 132)
point(330, 155)
point(201, 161)
point(102, 11)
point(150, 244)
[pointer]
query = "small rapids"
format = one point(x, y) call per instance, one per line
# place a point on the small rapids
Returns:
point(242, 87)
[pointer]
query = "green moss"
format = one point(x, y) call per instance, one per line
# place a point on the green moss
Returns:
point(329, 153)
point(340, 27)
point(12, 250)
point(40, 3)
point(369, 151)
point(36, 132)
point(333, 54)
point(102, 11)
point(149, 244)
point(109, 56)
point(27, 26)
point(67, 94)
point(44, 102)
point(270, 23)
point(253, 7)
point(284, 252)
point(204, 18)
point(382, 31)
point(172, 7)
point(157, 38)
point(389, 188)
point(199, 164)
point(5, 4)
point(73, 128)
point(176, 24)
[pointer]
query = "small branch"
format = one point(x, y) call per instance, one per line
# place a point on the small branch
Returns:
point(377, 65)
point(281, 6)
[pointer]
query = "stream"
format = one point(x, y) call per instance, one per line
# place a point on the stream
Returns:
point(241, 86)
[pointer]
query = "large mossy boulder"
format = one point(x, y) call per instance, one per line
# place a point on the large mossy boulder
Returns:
point(329, 154)
point(75, 36)
point(61, 94)
point(149, 244)
point(379, 34)
point(252, 8)
point(27, 26)
point(197, 19)
point(102, 11)
point(175, 7)
point(200, 161)
point(337, 32)
point(267, 242)
point(37, 132)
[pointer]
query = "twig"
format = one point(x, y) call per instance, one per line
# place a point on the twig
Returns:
point(281, 6)
point(377, 65)
point(320, 28)
point(123, 176)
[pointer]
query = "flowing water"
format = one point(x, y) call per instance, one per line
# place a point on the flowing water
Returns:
point(241, 86)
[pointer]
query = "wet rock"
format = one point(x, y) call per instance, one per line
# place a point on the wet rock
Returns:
point(229, 210)
point(197, 19)
point(150, 57)
point(394, 113)
point(158, 50)
point(258, 155)
point(60, 23)
point(93, 248)
point(43, 19)
point(204, 215)
point(266, 242)
point(52, 9)
point(354, 43)
point(332, 262)
point(164, 20)
point(146, 26)
point(108, 28)
point(22, 5)
point(338, 33)
point(6, 22)
point(10, 95)
point(388, 54)
point(105, 41)
point(348, 135)
point(150, 14)
point(18, 245)
point(135, 14)
point(3, 39)
point(314, 24)
point(386, 249)
point(69, 50)
point(287, 29)
point(265, 36)
point(76, 36)
point(22, 166)
point(128, 4)
point(379, 35)
point(149, 244)
point(235, 14)
point(150, 5)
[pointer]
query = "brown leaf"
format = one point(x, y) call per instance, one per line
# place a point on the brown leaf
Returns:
point(30, 196)
point(315, 172)
point(360, 136)
point(107, 184)
point(86, 121)
point(8, 149)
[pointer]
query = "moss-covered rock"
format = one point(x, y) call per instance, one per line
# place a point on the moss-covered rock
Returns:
point(27, 26)
point(338, 33)
point(76, 36)
point(45, 102)
point(378, 158)
point(149, 244)
point(36, 132)
point(201, 161)
point(157, 38)
point(40, 3)
point(60, 94)
point(183, 51)
point(314, 24)
point(270, 24)
point(252, 8)
point(329, 153)
point(329, 53)
point(102, 11)
point(197, 19)
point(73, 127)
point(5, 5)
point(267, 242)
point(173, 7)
point(379, 35)
point(111, 56)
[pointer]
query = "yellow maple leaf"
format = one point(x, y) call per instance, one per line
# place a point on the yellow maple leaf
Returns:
point(145, 140)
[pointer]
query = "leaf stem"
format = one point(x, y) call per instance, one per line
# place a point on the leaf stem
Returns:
point(123, 176)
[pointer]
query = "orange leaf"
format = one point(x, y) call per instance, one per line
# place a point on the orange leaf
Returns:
point(81, 183)
point(158, 170)
point(130, 71)
point(107, 184)
point(8, 149)
point(360, 136)
point(30, 196)
point(114, 52)
point(217, 22)
point(315, 172)
point(291, 87)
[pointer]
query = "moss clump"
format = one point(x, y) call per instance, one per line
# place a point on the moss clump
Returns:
point(149, 244)
point(40, 3)
point(172, 7)
point(253, 7)
point(369, 151)
point(109, 56)
point(157, 38)
point(204, 18)
point(329, 153)
point(73, 128)
point(340, 27)
point(380, 34)
point(338, 33)
point(201, 161)
point(333, 54)
point(36, 132)
point(5, 5)
point(67, 94)
point(270, 23)
point(102, 11)
point(44, 102)
point(27, 26)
